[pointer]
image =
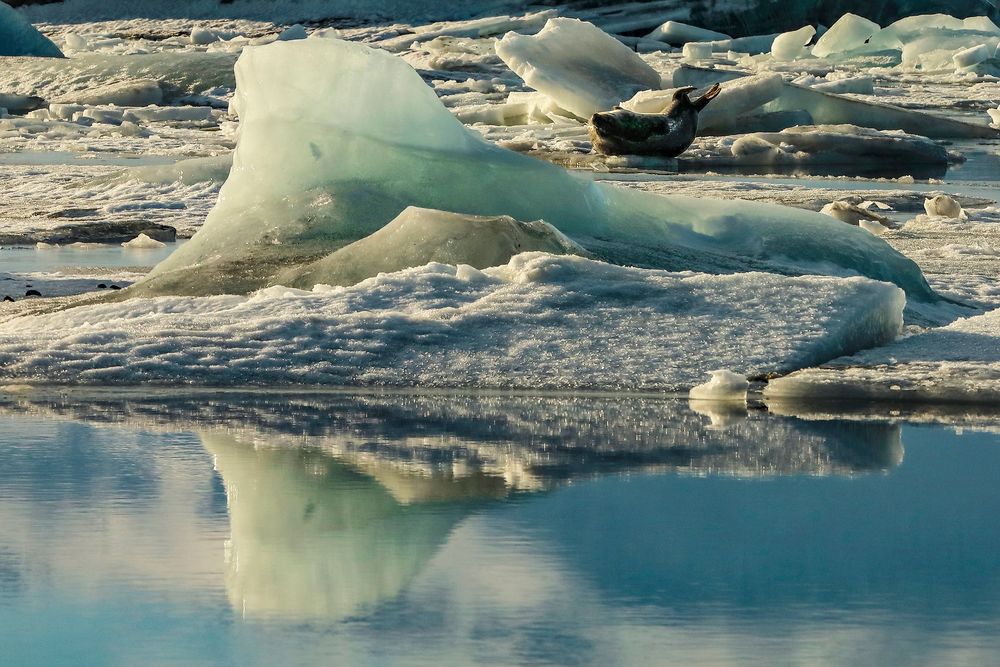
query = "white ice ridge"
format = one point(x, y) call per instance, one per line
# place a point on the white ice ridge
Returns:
point(20, 38)
point(579, 66)
point(541, 321)
point(322, 160)
point(956, 363)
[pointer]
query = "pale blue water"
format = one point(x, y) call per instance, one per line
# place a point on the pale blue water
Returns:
point(461, 529)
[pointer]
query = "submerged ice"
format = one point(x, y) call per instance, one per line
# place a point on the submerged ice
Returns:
point(322, 161)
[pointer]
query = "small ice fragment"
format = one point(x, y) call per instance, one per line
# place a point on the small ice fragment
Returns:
point(943, 205)
point(790, 45)
point(75, 42)
point(143, 242)
point(871, 226)
point(296, 31)
point(971, 56)
point(868, 203)
point(697, 51)
point(994, 117)
point(725, 385)
point(200, 36)
point(851, 214)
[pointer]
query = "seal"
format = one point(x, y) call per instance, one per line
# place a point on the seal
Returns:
point(667, 134)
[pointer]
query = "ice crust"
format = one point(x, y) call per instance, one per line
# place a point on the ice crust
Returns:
point(349, 163)
point(581, 67)
point(19, 38)
point(956, 363)
point(541, 321)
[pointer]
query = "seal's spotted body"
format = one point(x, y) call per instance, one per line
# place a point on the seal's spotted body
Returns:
point(667, 134)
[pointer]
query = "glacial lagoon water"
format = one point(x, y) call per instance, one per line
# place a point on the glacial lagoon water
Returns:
point(406, 528)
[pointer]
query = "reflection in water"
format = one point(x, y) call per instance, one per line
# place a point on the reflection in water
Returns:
point(457, 528)
point(313, 537)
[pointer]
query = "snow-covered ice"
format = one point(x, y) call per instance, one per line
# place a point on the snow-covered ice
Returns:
point(540, 321)
point(956, 363)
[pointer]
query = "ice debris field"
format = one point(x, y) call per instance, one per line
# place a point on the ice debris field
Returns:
point(236, 201)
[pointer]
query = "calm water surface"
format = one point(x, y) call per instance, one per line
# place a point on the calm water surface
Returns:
point(457, 529)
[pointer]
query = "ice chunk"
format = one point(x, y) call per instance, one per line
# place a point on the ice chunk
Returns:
point(849, 32)
point(418, 235)
point(136, 93)
point(202, 36)
point(994, 115)
point(143, 242)
point(676, 33)
point(791, 45)
point(20, 38)
point(861, 85)
point(852, 214)
point(973, 55)
point(322, 161)
point(725, 385)
point(159, 114)
point(541, 321)
point(697, 51)
point(579, 66)
point(945, 206)
point(956, 363)
point(296, 31)
point(844, 142)
point(829, 109)
point(20, 103)
point(739, 97)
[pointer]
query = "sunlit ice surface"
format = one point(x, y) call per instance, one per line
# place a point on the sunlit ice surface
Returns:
point(455, 528)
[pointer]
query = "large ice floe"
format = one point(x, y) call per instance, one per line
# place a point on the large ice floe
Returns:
point(540, 321)
point(323, 161)
point(19, 38)
point(956, 363)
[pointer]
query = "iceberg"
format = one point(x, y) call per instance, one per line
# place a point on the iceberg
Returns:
point(322, 161)
point(581, 67)
point(540, 321)
point(20, 38)
point(419, 235)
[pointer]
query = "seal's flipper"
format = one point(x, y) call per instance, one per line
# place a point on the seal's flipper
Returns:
point(703, 101)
